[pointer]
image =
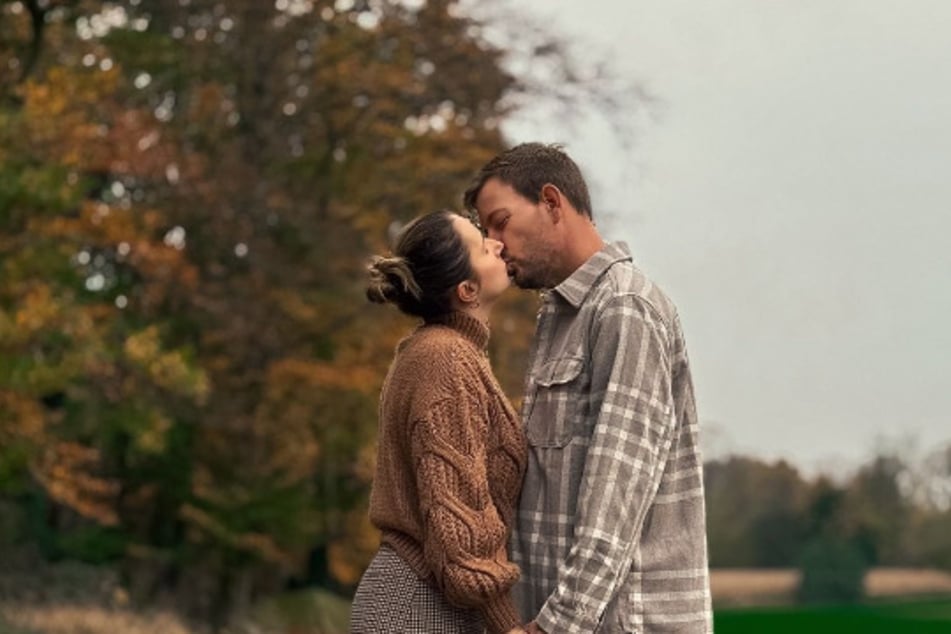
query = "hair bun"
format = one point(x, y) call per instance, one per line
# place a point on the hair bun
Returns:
point(391, 280)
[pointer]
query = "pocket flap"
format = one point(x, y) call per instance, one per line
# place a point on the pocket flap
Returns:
point(558, 371)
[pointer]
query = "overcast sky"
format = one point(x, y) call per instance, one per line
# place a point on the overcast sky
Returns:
point(793, 196)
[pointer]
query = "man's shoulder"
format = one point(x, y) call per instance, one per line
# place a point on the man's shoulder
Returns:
point(624, 281)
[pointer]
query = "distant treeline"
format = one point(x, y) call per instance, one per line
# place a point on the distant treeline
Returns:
point(890, 512)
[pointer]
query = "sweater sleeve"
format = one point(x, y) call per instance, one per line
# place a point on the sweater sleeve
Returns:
point(464, 537)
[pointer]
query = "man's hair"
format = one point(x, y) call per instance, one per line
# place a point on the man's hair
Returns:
point(527, 168)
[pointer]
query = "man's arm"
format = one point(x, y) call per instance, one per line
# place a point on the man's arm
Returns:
point(625, 459)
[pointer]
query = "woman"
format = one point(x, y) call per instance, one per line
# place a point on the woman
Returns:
point(451, 453)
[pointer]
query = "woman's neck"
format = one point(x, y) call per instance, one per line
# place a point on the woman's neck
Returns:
point(480, 312)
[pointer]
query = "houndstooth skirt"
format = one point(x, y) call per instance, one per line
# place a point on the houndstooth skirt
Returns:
point(391, 599)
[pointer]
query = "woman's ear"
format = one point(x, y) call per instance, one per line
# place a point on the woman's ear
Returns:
point(467, 292)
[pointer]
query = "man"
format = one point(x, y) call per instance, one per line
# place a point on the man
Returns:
point(610, 534)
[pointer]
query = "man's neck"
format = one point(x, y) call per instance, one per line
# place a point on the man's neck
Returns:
point(585, 241)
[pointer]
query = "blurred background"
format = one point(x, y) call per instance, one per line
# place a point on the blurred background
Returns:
point(189, 371)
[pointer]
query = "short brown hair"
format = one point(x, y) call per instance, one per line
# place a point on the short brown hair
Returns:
point(527, 168)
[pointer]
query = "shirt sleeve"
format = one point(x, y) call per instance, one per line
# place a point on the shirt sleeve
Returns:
point(628, 448)
point(464, 539)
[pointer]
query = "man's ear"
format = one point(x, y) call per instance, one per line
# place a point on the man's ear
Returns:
point(551, 197)
point(467, 291)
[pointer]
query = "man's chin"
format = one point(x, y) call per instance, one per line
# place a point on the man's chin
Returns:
point(524, 283)
point(518, 278)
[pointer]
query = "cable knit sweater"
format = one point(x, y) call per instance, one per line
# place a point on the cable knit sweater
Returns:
point(449, 467)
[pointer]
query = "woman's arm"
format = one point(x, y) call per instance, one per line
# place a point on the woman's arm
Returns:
point(464, 535)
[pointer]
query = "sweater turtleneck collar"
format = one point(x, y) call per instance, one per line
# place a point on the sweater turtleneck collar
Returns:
point(468, 326)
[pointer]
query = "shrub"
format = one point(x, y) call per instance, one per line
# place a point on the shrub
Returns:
point(833, 571)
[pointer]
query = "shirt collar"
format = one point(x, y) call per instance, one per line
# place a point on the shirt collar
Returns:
point(575, 288)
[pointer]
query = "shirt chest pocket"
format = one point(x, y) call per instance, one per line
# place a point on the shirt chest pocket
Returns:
point(558, 408)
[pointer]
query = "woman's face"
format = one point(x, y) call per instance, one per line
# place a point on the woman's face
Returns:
point(486, 260)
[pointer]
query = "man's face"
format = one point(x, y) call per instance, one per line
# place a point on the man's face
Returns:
point(525, 230)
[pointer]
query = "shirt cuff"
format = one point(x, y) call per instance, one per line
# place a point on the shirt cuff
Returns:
point(552, 620)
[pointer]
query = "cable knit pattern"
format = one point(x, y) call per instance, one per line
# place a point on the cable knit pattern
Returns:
point(450, 464)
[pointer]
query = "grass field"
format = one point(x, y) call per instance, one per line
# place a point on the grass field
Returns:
point(747, 602)
point(918, 617)
point(315, 615)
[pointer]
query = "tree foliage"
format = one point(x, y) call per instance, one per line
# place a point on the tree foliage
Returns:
point(188, 194)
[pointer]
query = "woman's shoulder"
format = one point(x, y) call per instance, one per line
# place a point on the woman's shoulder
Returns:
point(435, 340)
point(438, 354)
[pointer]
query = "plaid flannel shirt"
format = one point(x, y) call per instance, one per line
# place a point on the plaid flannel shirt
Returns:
point(610, 533)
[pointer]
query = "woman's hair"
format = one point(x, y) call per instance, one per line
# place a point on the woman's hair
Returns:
point(428, 261)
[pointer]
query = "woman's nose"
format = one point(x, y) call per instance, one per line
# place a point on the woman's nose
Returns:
point(496, 246)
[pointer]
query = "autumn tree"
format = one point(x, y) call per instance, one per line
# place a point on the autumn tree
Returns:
point(189, 192)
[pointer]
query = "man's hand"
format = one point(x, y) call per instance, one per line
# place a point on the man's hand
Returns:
point(532, 628)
